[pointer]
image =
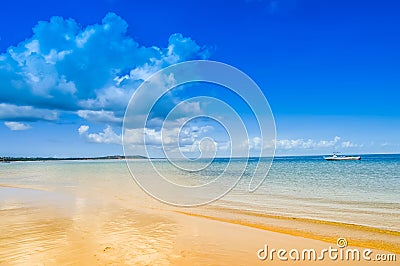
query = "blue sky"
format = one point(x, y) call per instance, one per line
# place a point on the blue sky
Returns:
point(329, 69)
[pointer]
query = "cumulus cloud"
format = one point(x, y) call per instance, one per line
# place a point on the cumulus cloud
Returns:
point(287, 144)
point(254, 143)
point(99, 116)
point(83, 129)
point(173, 138)
point(10, 112)
point(181, 48)
point(349, 144)
point(90, 70)
point(16, 126)
point(108, 136)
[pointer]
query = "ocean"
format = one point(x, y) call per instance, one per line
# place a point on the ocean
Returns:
point(364, 192)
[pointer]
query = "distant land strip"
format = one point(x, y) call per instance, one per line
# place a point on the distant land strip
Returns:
point(26, 159)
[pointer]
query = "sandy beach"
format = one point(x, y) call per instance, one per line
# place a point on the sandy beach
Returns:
point(114, 225)
point(216, 133)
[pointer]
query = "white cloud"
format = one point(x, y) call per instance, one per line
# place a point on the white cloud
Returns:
point(173, 139)
point(108, 136)
point(349, 144)
point(83, 129)
point(255, 143)
point(99, 116)
point(143, 72)
point(66, 67)
point(26, 113)
point(138, 135)
point(287, 144)
point(310, 144)
point(112, 98)
point(15, 126)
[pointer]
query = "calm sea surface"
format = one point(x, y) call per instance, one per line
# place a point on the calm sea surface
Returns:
point(363, 192)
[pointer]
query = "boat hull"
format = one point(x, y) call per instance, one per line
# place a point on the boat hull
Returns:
point(350, 158)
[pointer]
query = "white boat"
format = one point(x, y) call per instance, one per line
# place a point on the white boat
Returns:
point(335, 157)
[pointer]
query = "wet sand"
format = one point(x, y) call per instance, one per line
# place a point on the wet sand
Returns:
point(118, 227)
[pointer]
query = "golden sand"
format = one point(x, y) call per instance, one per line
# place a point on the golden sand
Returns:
point(114, 227)
point(362, 236)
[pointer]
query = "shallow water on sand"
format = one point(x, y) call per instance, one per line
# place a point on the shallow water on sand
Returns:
point(361, 192)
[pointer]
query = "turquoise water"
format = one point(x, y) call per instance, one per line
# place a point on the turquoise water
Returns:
point(361, 192)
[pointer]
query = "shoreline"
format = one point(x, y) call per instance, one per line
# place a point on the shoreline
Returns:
point(244, 211)
point(66, 213)
point(301, 232)
point(316, 230)
point(113, 234)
